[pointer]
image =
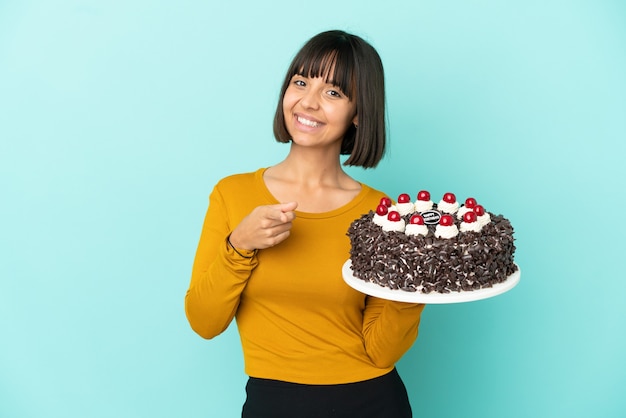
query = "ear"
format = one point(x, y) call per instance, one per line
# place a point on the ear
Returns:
point(355, 121)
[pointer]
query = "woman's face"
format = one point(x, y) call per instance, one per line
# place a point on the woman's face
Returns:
point(317, 113)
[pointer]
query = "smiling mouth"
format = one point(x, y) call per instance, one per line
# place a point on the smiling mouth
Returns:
point(307, 122)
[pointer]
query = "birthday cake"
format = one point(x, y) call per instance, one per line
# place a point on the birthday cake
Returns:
point(422, 246)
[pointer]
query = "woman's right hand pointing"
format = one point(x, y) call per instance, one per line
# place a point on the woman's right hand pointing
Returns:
point(264, 227)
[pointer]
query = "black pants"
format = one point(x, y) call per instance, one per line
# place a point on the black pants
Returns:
point(382, 397)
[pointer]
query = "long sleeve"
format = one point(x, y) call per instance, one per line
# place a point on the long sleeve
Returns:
point(219, 274)
point(389, 329)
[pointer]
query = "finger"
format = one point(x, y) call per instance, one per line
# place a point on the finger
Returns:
point(281, 212)
point(288, 217)
point(278, 238)
point(288, 207)
point(270, 237)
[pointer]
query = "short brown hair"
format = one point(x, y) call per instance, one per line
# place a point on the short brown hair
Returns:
point(358, 72)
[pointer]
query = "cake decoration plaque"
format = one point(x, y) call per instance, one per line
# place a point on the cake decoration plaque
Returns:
point(431, 217)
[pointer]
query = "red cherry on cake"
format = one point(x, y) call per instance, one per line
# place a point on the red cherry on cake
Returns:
point(469, 217)
point(394, 216)
point(381, 210)
point(446, 220)
point(449, 198)
point(423, 195)
point(470, 202)
point(404, 198)
point(479, 210)
point(385, 201)
point(417, 219)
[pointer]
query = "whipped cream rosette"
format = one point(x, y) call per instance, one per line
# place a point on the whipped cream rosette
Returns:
point(416, 226)
point(470, 204)
point(423, 202)
point(394, 222)
point(482, 216)
point(446, 228)
point(383, 208)
point(470, 223)
point(404, 205)
point(448, 204)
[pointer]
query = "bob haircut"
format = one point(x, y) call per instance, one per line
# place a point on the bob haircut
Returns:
point(358, 71)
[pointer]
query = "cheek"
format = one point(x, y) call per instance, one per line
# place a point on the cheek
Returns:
point(285, 107)
point(346, 115)
point(289, 100)
point(288, 104)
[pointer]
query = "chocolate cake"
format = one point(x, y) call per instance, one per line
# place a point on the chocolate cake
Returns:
point(427, 247)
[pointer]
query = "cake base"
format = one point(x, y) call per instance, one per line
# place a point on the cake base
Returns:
point(398, 295)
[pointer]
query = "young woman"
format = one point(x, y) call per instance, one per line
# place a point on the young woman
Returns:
point(274, 241)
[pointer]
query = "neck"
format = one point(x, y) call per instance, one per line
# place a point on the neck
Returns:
point(311, 167)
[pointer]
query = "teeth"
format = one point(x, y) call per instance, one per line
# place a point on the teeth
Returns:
point(308, 122)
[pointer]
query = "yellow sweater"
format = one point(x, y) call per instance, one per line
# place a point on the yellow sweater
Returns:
point(297, 319)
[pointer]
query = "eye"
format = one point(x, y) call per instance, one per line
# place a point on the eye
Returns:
point(336, 93)
point(299, 82)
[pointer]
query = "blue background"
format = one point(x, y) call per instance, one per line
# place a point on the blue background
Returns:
point(117, 117)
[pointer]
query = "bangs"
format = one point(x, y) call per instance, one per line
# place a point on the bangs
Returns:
point(333, 63)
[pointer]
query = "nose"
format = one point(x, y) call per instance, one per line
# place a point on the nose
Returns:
point(310, 99)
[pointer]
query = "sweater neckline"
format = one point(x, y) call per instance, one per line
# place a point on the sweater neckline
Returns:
point(313, 215)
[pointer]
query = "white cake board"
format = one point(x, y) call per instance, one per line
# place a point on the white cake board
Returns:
point(382, 292)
